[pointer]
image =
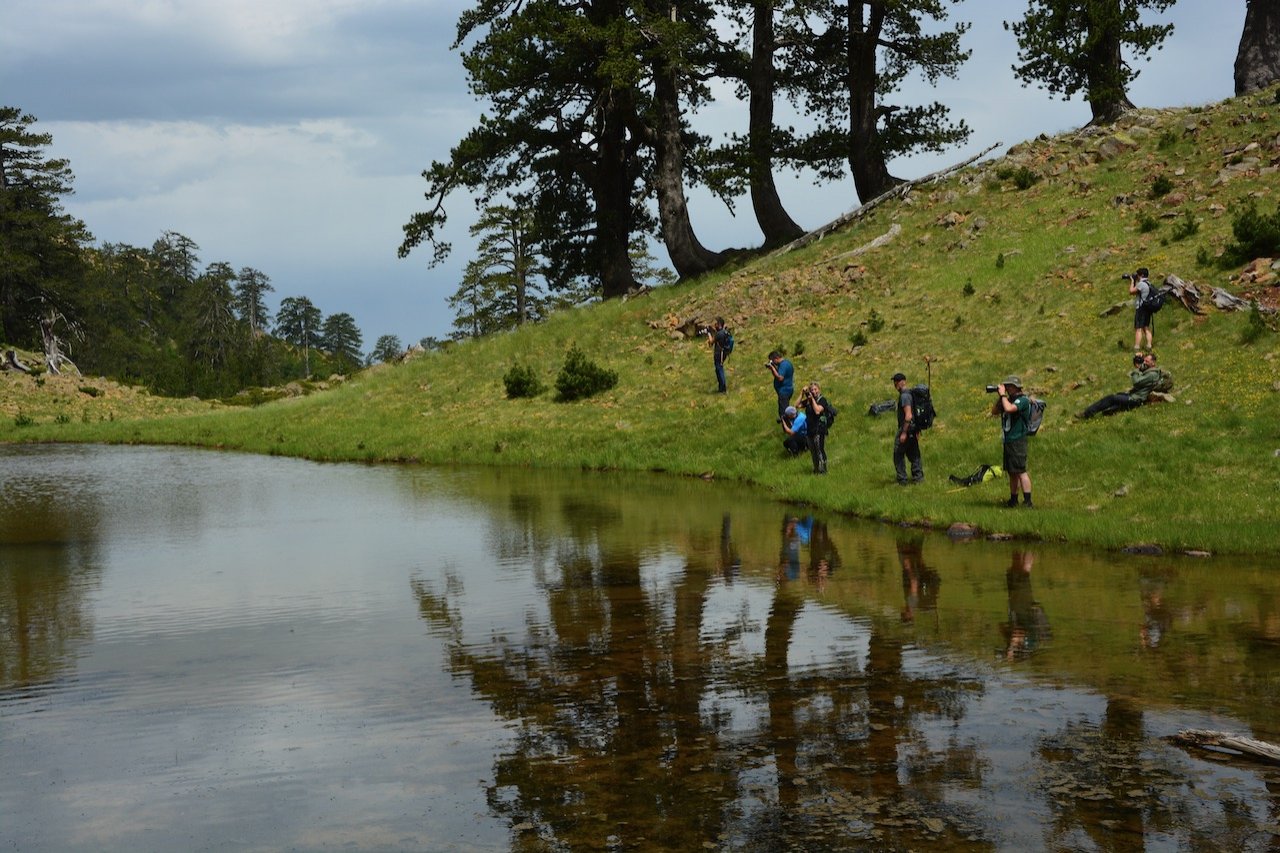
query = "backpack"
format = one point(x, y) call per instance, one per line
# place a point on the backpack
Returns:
point(922, 411)
point(727, 346)
point(1155, 299)
point(1036, 416)
point(829, 415)
point(1165, 385)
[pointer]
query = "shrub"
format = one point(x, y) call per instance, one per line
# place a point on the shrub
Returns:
point(22, 420)
point(1161, 186)
point(874, 321)
point(1168, 139)
point(858, 339)
point(1257, 235)
point(1257, 325)
point(1147, 223)
point(1000, 261)
point(1187, 227)
point(1025, 178)
point(968, 287)
point(799, 348)
point(521, 381)
point(580, 378)
point(62, 418)
point(90, 391)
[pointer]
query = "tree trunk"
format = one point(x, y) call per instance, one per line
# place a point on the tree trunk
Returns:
point(775, 223)
point(866, 158)
point(688, 255)
point(1105, 90)
point(611, 195)
point(1258, 58)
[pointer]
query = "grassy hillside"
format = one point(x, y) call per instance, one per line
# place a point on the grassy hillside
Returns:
point(1006, 267)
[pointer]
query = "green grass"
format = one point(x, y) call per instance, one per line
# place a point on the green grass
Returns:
point(1198, 473)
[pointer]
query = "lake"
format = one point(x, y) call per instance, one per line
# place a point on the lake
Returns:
point(204, 650)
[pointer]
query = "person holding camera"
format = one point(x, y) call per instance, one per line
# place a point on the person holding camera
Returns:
point(1014, 409)
point(795, 425)
point(817, 419)
point(783, 381)
point(1142, 313)
point(1144, 378)
point(718, 338)
point(906, 444)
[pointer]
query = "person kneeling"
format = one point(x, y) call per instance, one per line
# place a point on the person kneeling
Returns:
point(794, 424)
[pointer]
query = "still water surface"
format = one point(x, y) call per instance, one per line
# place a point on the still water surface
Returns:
point(207, 651)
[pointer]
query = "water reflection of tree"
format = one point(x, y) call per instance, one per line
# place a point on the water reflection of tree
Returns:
point(626, 738)
point(47, 565)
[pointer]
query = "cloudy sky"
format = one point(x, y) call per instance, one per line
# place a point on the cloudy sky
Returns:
point(289, 135)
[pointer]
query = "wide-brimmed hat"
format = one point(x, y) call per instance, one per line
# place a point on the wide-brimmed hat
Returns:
point(1012, 380)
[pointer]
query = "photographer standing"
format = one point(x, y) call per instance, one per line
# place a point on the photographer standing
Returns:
point(718, 337)
point(906, 445)
point(783, 382)
point(1014, 409)
point(817, 419)
point(1141, 290)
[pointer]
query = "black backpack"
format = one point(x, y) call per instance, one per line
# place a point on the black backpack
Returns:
point(1155, 299)
point(922, 411)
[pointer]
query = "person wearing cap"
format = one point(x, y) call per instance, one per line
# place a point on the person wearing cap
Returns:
point(795, 425)
point(1014, 409)
point(783, 380)
point(906, 444)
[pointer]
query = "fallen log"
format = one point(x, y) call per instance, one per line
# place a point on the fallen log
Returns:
point(11, 362)
point(894, 230)
point(861, 211)
point(1225, 740)
point(1187, 295)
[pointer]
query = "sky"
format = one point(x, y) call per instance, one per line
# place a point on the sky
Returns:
point(290, 135)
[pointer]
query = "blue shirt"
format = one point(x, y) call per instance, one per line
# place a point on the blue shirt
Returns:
point(785, 385)
point(800, 425)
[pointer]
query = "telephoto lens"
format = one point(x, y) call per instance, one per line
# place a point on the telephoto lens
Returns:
point(991, 389)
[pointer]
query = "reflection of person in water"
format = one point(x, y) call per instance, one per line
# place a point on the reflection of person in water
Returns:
point(1156, 616)
point(796, 534)
point(919, 582)
point(730, 561)
point(1028, 626)
point(823, 556)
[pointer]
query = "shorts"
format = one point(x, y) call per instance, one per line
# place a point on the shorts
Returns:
point(1141, 318)
point(1015, 456)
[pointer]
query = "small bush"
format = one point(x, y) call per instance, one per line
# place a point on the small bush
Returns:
point(1257, 235)
point(1025, 178)
point(62, 418)
point(1187, 227)
point(858, 339)
point(521, 381)
point(1257, 326)
point(1147, 223)
point(874, 321)
point(1161, 186)
point(1000, 261)
point(798, 349)
point(90, 391)
point(580, 378)
point(1203, 258)
point(1167, 140)
point(968, 287)
point(22, 420)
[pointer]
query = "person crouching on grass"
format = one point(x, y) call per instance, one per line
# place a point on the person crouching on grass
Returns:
point(1014, 409)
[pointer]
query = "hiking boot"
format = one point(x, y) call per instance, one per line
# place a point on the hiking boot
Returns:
point(1028, 505)
point(1012, 503)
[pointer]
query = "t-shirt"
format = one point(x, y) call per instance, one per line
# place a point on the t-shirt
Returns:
point(1014, 424)
point(904, 400)
point(1144, 290)
point(786, 385)
point(800, 426)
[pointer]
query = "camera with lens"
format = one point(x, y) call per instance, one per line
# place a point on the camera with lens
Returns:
point(1127, 276)
point(993, 389)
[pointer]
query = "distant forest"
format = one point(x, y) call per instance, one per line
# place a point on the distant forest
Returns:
point(156, 316)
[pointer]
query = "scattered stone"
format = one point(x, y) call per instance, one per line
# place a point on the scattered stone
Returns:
point(964, 530)
point(1144, 550)
point(1198, 553)
point(1121, 492)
